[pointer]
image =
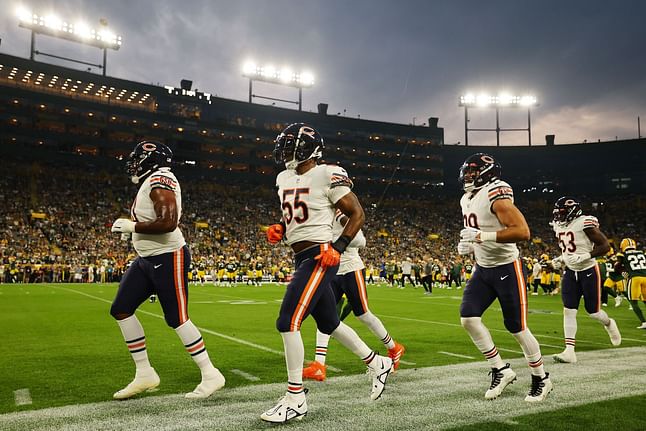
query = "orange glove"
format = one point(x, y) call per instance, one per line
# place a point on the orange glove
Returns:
point(275, 233)
point(328, 256)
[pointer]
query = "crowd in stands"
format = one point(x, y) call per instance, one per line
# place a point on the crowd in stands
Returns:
point(55, 225)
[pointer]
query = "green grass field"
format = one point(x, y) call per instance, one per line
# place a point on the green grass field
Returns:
point(60, 343)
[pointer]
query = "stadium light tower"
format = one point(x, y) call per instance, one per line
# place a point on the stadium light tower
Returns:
point(502, 100)
point(284, 76)
point(51, 25)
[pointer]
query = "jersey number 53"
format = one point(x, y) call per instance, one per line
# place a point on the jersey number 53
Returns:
point(292, 202)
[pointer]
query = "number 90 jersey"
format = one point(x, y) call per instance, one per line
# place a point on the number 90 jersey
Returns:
point(573, 240)
point(308, 201)
point(477, 213)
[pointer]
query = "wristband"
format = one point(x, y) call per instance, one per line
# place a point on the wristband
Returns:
point(341, 243)
point(488, 236)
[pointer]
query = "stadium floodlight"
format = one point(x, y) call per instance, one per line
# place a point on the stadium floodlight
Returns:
point(503, 99)
point(52, 25)
point(282, 76)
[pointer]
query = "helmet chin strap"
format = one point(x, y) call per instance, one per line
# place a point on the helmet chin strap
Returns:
point(136, 178)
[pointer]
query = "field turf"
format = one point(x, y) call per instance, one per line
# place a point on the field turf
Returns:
point(61, 347)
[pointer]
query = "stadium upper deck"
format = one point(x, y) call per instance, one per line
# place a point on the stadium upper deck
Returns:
point(70, 111)
point(62, 111)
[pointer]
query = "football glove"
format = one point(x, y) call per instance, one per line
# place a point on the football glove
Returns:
point(558, 260)
point(328, 256)
point(123, 225)
point(275, 233)
point(573, 259)
point(469, 234)
point(465, 248)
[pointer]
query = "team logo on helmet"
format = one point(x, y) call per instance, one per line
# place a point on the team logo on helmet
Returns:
point(478, 170)
point(147, 157)
point(565, 210)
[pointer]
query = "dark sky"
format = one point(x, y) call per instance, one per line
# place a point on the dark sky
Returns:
point(399, 61)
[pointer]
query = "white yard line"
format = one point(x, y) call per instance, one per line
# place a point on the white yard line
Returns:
point(423, 398)
point(502, 349)
point(22, 397)
point(456, 355)
point(245, 375)
point(406, 362)
point(208, 331)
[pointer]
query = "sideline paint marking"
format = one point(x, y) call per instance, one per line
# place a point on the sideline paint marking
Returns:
point(247, 376)
point(407, 363)
point(510, 350)
point(22, 397)
point(457, 355)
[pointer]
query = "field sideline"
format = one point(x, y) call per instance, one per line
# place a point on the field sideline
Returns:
point(62, 348)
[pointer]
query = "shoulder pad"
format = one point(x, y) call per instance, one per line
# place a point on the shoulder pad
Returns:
point(590, 222)
point(338, 176)
point(499, 190)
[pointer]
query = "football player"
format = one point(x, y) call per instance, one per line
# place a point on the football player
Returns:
point(309, 194)
point(161, 267)
point(633, 262)
point(350, 280)
point(492, 227)
point(580, 241)
point(615, 279)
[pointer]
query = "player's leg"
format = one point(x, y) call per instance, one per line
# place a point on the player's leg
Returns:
point(309, 283)
point(633, 292)
point(571, 297)
point(591, 285)
point(478, 296)
point(357, 294)
point(512, 295)
point(317, 370)
point(134, 288)
point(169, 275)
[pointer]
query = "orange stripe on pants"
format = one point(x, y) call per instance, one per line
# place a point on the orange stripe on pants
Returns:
point(361, 285)
point(598, 273)
point(306, 297)
point(522, 292)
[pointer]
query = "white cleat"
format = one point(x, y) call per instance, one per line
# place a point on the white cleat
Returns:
point(144, 381)
point(500, 379)
point(541, 386)
point(565, 357)
point(618, 300)
point(291, 406)
point(379, 369)
point(613, 331)
point(642, 326)
point(209, 384)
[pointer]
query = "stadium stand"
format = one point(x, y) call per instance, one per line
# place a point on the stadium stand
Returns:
point(64, 134)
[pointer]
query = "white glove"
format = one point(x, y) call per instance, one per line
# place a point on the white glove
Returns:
point(573, 259)
point(123, 225)
point(468, 234)
point(558, 260)
point(465, 248)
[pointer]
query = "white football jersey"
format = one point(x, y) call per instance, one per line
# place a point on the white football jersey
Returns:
point(573, 241)
point(477, 213)
point(143, 210)
point(350, 259)
point(308, 201)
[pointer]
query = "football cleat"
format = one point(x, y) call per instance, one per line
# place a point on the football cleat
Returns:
point(613, 332)
point(379, 369)
point(209, 384)
point(291, 406)
point(565, 357)
point(315, 371)
point(642, 326)
point(144, 381)
point(395, 354)
point(534, 293)
point(541, 386)
point(500, 378)
point(618, 300)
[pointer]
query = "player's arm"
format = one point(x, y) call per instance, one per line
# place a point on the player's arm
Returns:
point(509, 215)
point(349, 205)
point(165, 206)
point(601, 244)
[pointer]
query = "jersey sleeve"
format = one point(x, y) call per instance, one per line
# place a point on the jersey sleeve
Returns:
point(340, 183)
point(500, 190)
point(590, 222)
point(162, 181)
